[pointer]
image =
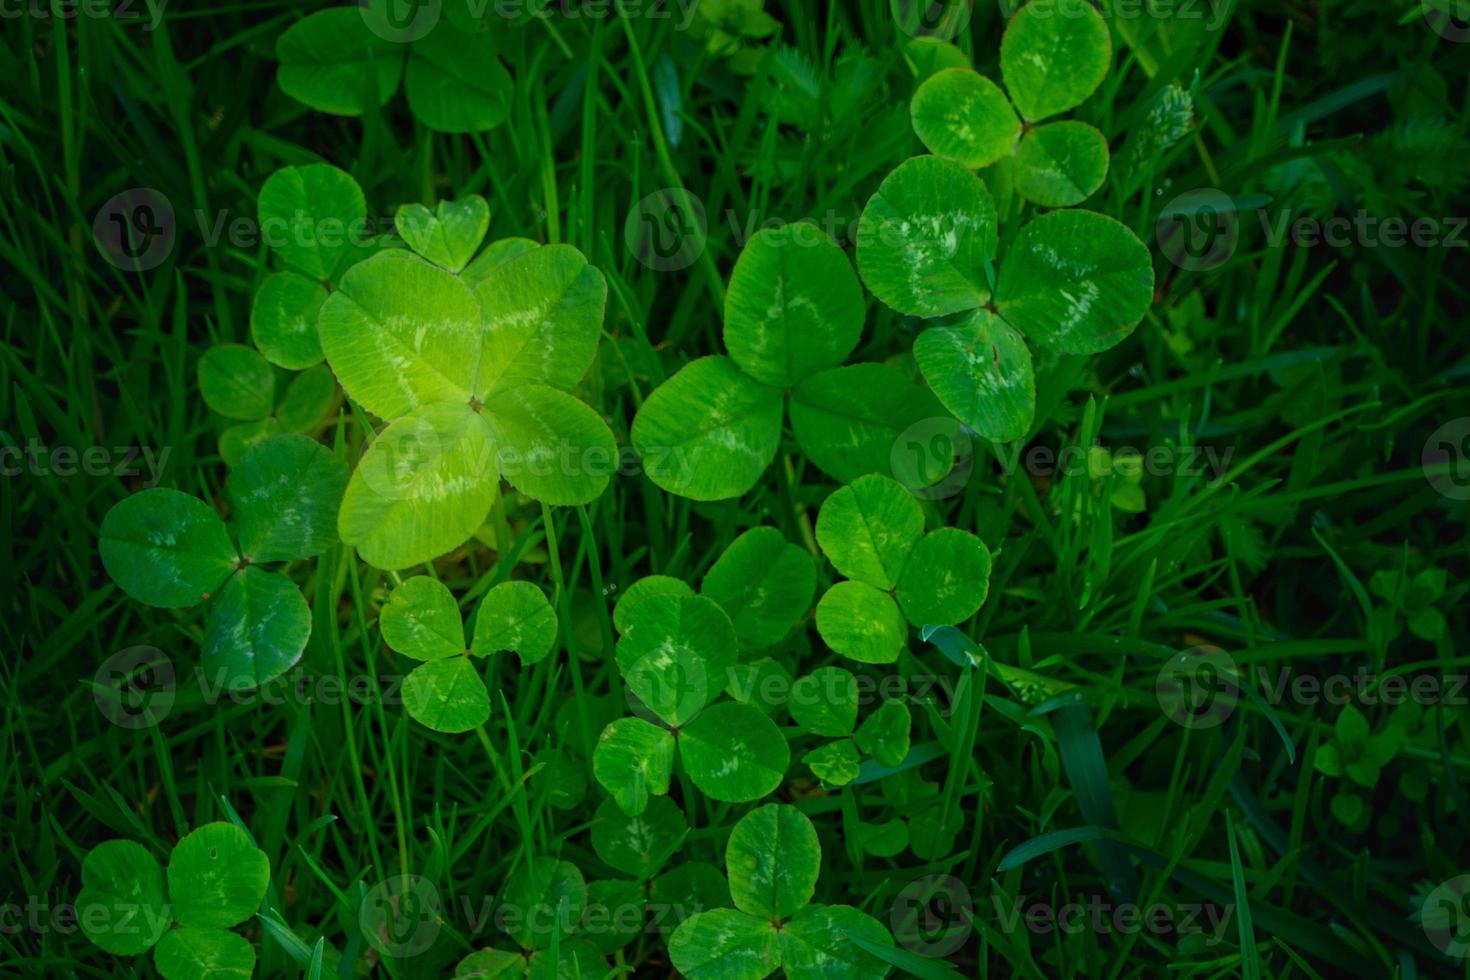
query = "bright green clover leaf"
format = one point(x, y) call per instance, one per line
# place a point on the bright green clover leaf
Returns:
point(1054, 54)
point(836, 763)
point(676, 653)
point(927, 237)
point(734, 753)
point(237, 382)
point(773, 858)
point(471, 384)
point(334, 62)
point(638, 845)
point(422, 620)
point(793, 312)
point(884, 734)
point(168, 549)
point(541, 898)
point(122, 907)
point(633, 760)
point(313, 217)
point(449, 235)
point(962, 115)
point(794, 306)
point(875, 537)
point(283, 319)
point(625, 613)
point(1061, 164)
point(764, 583)
point(980, 370)
point(216, 880)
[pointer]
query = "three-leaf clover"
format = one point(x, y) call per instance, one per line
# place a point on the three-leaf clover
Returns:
point(793, 313)
point(168, 549)
point(872, 531)
point(471, 373)
point(825, 702)
point(1410, 600)
point(239, 384)
point(350, 60)
point(772, 860)
point(1354, 750)
point(421, 620)
point(216, 879)
point(1072, 282)
point(1054, 54)
point(675, 654)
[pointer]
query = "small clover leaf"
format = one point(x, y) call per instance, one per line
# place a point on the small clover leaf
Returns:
point(638, 845)
point(825, 702)
point(633, 760)
point(422, 620)
point(884, 734)
point(871, 534)
point(237, 382)
point(773, 858)
point(216, 879)
point(449, 235)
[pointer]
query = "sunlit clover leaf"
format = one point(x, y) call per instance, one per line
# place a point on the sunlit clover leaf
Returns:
point(638, 845)
point(710, 431)
point(981, 371)
point(312, 217)
point(449, 235)
point(447, 695)
point(625, 612)
point(964, 116)
point(495, 254)
point(848, 419)
point(550, 446)
point(217, 877)
point(515, 616)
point(734, 753)
point(867, 529)
point(861, 622)
point(676, 653)
point(237, 382)
point(421, 620)
point(836, 763)
point(166, 548)
point(884, 734)
point(286, 492)
point(456, 83)
point(122, 904)
point(793, 307)
point(1075, 282)
point(1061, 164)
point(204, 954)
point(553, 890)
point(1054, 54)
point(926, 237)
point(825, 702)
point(333, 62)
point(633, 761)
point(764, 583)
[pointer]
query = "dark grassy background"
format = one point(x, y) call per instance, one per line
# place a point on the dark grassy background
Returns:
point(1317, 373)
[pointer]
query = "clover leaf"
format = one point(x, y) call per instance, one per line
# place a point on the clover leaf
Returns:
point(773, 858)
point(334, 61)
point(168, 549)
point(1071, 282)
point(449, 235)
point(676, 654)
point(471, 379)
point(764, 583)
point(638, 845)
point(825, 702)
point(541, 909)
point(421, 620)
point(873, 533)
point(239, 384)
point(793, 312)
point(216, 879)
